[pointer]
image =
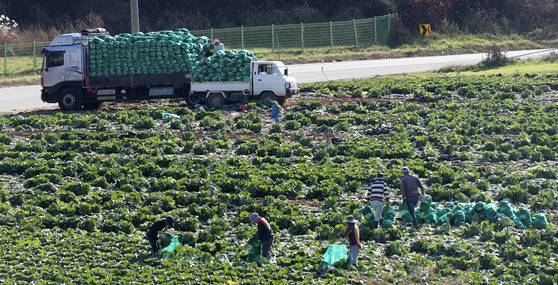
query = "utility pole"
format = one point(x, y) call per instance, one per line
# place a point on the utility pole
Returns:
point(134, 15)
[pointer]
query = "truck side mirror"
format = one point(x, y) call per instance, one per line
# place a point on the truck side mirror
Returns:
point(286, 72)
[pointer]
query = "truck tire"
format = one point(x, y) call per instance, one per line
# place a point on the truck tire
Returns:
point(194, 99)
point(69, 99)
point(266, 97)
point(215, 100)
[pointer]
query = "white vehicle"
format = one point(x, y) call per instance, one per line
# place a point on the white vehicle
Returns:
point(65, 80)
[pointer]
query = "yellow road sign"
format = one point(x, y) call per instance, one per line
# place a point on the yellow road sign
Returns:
point(425, 30)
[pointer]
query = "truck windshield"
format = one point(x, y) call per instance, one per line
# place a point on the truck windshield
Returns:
point(282, 69)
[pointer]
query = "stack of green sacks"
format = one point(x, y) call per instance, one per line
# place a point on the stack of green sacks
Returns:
point(225, 66)
point(145, 53)
point(458, 214)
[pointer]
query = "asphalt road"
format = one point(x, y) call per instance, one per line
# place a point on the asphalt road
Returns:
point(26, 98)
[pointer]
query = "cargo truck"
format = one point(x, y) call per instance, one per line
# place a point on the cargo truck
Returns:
point(66, 80)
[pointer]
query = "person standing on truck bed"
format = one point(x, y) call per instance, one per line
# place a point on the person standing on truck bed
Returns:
point(264, 234)
point(219, 46)
point(153, 232)
point(409, 190)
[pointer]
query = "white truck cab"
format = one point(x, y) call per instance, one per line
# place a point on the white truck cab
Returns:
point(269, 81)
point(66, 80)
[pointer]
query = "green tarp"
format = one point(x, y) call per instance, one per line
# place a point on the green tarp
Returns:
point(334, 254)
point(173, 244)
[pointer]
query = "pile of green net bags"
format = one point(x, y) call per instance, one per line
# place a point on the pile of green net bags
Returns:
point(458, 214)
point(145, 53)
point(225, 66)
point(166, 52)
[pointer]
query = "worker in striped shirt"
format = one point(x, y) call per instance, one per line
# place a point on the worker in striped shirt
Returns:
point(377, 195)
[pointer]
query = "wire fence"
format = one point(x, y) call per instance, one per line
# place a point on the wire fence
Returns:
point(22, 59)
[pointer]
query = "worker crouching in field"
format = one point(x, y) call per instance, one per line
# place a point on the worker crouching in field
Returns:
point(353, 236)
point(409, 190)
point(153, 232)
point(263, 234)
point(378, 195)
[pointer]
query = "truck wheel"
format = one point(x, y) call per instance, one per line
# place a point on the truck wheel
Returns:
point(216, 100)
point(194, 99)
point(69, 99)
point(267, 97)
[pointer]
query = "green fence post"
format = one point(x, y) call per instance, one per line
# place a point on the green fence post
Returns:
point(302, 36)
point(34, 55)
point(331, 34)
point(376, 30)
point(273, 36)
point(389, 25)
point(242, 36)
point(355, 30)
point(211, 34)
point(6, 59)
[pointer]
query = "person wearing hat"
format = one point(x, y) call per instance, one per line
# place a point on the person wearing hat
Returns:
point(353, 236)
point(409, 190)
point(153, 232)
point(219, 46)
point(378, 195)
point(263, 234)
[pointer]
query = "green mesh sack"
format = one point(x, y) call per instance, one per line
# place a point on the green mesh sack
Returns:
point(254, 251)
point(388, 217)
point(441, 219)
point(490, 212)
point(459, 218)
point(539, 221)
point(524, 215)
point(368, 214)
point(404, 213)
point(507, 209)
point(174, 243)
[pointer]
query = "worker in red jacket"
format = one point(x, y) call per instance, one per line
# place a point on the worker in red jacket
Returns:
point(264, 233)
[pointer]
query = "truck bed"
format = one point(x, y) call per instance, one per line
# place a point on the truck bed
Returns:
point(176, 80)
point(225, 86)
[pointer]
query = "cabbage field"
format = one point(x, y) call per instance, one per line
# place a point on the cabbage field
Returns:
point(78, 190)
